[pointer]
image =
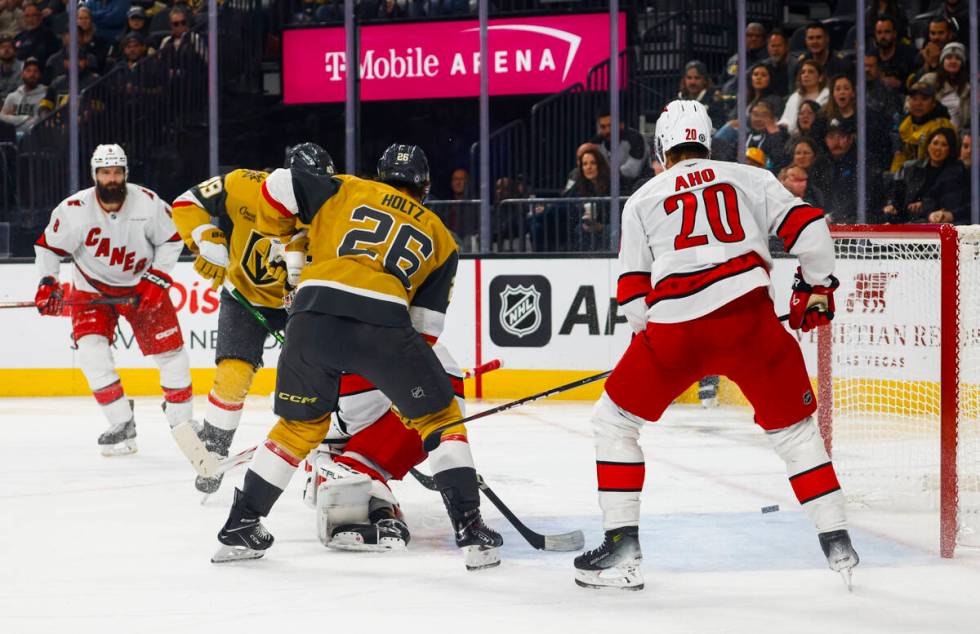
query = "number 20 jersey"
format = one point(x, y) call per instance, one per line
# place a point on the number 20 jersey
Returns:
point(375, 254)
point(696, 237)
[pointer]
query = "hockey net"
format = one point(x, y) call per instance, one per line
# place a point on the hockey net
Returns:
point(902, 360)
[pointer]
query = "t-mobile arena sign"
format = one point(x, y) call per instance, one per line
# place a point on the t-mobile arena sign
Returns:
point(428, 60)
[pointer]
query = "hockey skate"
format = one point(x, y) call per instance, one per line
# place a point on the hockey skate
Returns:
point(615, 564)
point(217, 441)
point(243, 536)
point(480, 543)
point(385, 532)
point(119, 439)
point(841, 556)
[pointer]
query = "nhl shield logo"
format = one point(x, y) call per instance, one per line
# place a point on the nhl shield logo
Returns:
point(520, 310)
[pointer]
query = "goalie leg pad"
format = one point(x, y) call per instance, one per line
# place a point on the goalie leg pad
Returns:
point(811, 474)
point(342, 498)
point(620, 466)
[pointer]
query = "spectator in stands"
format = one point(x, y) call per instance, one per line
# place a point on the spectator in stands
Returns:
point(766, 135)
point(810, 85)
point(940, 32)
point(57, 93)
point(806, 118)
point(140, 74)
point(508, 219)
point(835, 174)
point(895, 59)
point(841, 105)
point(136, 22)
point(879, 98)
point(778, 48)
point(934, 189)
point(966, 147)
point(20, 108)
point(892, 9)
point(759, 87)
point(696, 85)
point(390, 9)
point(952, 82)
point(109, 17)
point(817, 42)
point(10, 15)
point(35, 40)
point(929, 55)
point(182, 50)
point(50, 8)
point(755, 51)
point(10, 66)
point(591, 217)
point(312, 11)
point(802, 153)
point(631, 157)
point(462, 219)
point(574, 174)
point(957, 14)
point(925, 115)
point(89, 43)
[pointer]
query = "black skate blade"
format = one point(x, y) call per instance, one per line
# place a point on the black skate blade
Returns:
point(565, 542)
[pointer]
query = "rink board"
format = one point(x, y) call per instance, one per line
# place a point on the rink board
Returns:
point(550, 321)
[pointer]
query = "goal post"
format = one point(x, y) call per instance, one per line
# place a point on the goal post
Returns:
point(901, 365)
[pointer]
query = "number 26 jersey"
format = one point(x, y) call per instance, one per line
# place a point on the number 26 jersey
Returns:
point(696, 237)
point(375, 254)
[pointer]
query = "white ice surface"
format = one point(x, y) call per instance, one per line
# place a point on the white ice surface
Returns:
point(94, 544)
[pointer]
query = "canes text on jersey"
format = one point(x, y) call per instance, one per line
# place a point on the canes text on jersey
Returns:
point(118, 256)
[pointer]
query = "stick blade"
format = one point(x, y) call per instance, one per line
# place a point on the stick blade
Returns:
point(565, 542)
point(190, 444)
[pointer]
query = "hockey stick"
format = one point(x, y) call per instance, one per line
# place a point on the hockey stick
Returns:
point(208, 466)
point(565, 542)
point(435, 437)
point(129, 300)
point(259, 317)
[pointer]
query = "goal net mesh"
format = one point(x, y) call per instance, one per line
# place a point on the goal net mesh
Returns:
point(885, 367)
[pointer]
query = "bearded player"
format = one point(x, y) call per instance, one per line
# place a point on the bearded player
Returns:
point(123, 244)
point(694, 284)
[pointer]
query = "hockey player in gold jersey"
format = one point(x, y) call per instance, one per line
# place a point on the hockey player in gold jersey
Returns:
point(371, 300)
point(235, 256)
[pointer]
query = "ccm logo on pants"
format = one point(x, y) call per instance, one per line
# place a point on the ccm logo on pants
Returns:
point(292, 398)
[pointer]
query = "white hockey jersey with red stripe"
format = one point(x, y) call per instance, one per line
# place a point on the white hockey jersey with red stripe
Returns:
point(111, 250)
point(696, 237)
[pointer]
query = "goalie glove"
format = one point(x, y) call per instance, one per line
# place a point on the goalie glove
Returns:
point(212, 254)
point(811, 306)
point(49, 299)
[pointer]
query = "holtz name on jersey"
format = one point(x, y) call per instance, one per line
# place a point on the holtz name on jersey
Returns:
point(110, 250)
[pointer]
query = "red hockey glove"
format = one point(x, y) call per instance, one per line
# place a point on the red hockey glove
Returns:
point(153, 287)
point(811, 306)
point(49, 299)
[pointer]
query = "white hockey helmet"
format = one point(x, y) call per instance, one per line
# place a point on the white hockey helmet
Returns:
point(682, 121)
point(109, 155)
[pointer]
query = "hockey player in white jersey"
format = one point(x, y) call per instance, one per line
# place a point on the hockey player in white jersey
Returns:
point(694, 285)
point(366, 447)
point(123, 244)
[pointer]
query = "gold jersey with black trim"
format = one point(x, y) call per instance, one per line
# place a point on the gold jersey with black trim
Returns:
point(233, 199)
point(375, 254)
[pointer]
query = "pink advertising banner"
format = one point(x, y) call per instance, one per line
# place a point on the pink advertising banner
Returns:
point(430, 60)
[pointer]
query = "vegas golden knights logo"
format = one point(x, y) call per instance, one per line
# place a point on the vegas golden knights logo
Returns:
point(255, 259)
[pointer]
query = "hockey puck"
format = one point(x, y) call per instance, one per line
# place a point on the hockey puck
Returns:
point(770, 509)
